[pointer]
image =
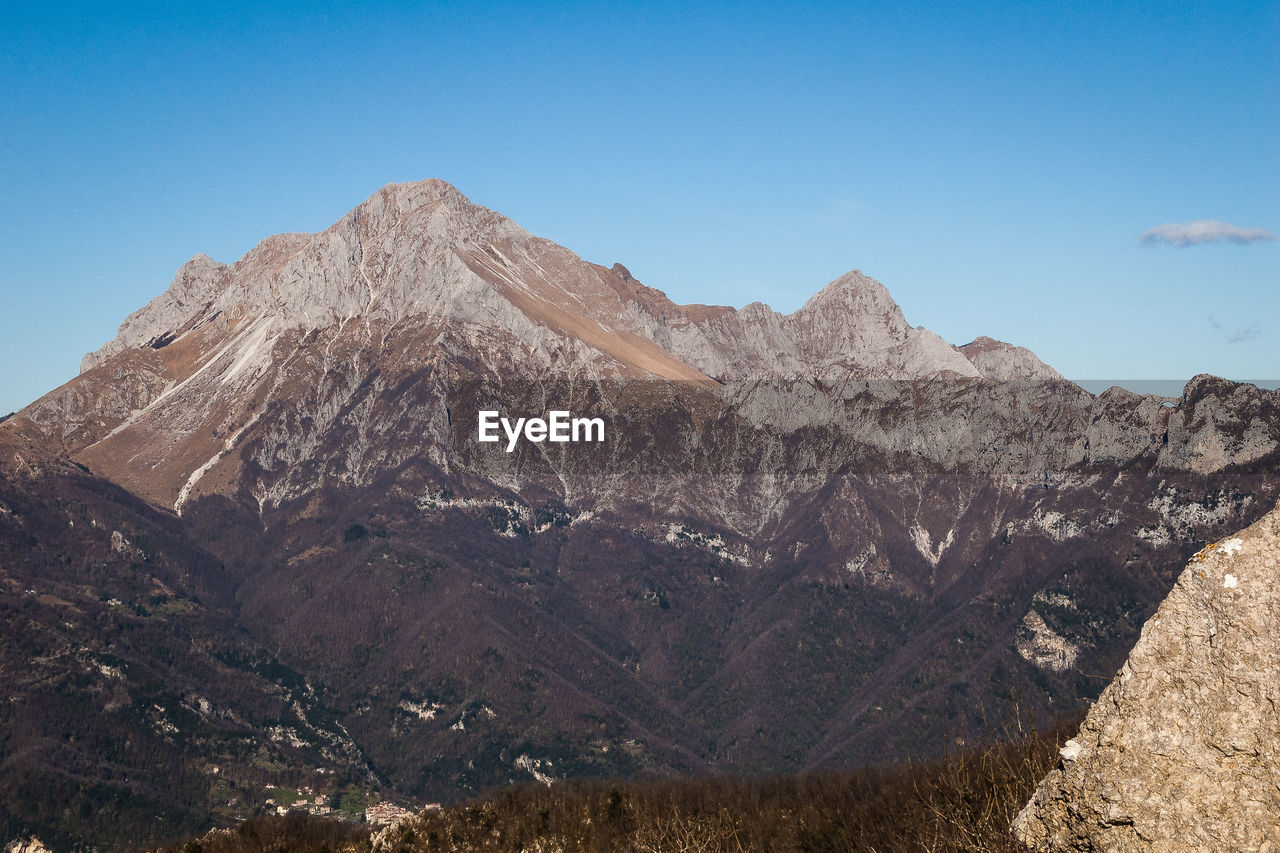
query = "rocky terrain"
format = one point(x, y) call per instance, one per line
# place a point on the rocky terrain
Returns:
point(806, 540)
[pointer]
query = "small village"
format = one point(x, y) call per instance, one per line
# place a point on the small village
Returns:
point(306, 799)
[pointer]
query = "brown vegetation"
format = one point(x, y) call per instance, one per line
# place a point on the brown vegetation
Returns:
point(296, 832)
point(963, 802)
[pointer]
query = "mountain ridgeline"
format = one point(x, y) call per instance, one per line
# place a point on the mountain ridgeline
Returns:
point(810, 540)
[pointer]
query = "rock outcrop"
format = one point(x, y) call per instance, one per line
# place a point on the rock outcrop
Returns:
point(1182, 750)
point(31, 845)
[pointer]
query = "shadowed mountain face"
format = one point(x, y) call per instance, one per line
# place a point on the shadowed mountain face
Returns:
point(804, 540)
point(135, 708)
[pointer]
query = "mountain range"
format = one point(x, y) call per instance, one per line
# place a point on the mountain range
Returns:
point(256, 543)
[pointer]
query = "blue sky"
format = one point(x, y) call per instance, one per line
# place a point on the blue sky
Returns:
point(994, 165)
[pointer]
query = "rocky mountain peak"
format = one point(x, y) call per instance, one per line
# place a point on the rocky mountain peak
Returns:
point(1005, 362)
point(453, 282)
point(195, 286)
point(425, 252)
point(419, 249)
point(853, 289)
point(430, 211)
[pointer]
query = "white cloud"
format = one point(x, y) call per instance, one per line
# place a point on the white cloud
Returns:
point(1243, 336)
point(1183, 234)
point(1239, 336)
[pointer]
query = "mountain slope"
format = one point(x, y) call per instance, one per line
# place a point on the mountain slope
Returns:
point(135, 706)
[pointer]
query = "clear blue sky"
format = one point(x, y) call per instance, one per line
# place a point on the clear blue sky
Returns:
point(993, 165)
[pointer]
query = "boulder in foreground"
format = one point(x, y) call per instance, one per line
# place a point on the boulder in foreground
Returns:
point(1182, 750)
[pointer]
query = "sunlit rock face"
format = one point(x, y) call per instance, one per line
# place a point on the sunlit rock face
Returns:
point(1182, 750)
point(999, 360)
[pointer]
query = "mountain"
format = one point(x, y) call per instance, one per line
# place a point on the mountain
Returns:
point(815, 539)
point(430, 276)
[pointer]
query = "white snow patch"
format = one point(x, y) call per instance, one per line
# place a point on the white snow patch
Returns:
point(1231, 547)
point(1071, 750)
point(1230, 582)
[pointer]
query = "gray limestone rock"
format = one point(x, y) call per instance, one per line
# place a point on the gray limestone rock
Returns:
point(423, 252)
point(1006, 362)
point(1182, 750)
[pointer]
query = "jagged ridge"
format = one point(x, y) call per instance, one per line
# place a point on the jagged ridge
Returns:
point(423, 250)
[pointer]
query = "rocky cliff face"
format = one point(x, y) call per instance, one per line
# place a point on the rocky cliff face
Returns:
point(1182, 750)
